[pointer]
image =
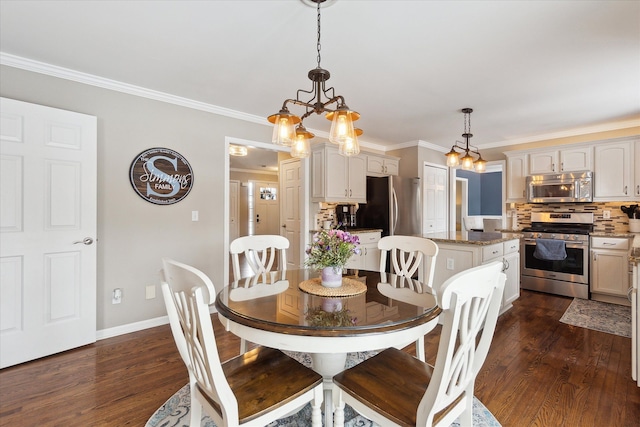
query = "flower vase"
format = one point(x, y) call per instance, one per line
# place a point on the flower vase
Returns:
point(331, 277)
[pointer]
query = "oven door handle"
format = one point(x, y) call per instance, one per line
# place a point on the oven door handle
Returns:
point(571, 245)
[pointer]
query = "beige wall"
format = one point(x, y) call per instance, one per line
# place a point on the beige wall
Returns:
point(133, 235)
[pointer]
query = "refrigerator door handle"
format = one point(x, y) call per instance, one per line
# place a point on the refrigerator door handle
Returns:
point(394, 197)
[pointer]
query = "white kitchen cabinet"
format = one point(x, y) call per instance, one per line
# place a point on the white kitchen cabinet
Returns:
point(614, 171)
point(455, 257)
point(511, 261)
point(517, 171)
point(636, 167)
point(544, 162)
point(610, 269)
point(576, 159)
point(338, 178)
point(369, 257)
point(564, 160)
point(381, 166)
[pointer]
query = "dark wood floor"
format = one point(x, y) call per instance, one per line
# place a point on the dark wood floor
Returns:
point(539, 372)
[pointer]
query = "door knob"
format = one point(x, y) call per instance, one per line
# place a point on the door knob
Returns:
point(86, 241)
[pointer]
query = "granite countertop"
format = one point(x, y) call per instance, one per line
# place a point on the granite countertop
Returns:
point(611, 234)
point(472, 237)
point(356, 230)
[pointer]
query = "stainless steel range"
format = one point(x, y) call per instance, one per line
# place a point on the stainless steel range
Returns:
point(562, 268)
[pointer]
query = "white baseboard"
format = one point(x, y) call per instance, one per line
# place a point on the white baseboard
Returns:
point(135, 327)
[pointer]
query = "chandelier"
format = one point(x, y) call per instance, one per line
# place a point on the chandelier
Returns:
point(467, 161)
point(288, 129)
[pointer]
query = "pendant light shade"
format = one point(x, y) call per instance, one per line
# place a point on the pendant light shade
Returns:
point(342, 129)
point(284, 132)
point(351, 146)
point(301, 147)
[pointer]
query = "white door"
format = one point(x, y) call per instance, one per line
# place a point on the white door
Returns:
point(267, 208)
point(47, 231)
point(435, 199)
point(291, 190)
point(234, 210)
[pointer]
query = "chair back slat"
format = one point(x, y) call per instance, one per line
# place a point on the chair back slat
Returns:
point(407, 254)
point(261, 252)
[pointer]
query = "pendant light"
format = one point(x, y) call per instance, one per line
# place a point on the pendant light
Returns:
point(342, 117)
point(467, 161)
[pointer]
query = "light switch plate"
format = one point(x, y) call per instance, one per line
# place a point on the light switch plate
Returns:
point(606, 214)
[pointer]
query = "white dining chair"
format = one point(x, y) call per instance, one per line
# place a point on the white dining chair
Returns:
point(253, 389)
point(177, 275)
point(473, 223)
point(409, 255)
point(491, 224)
point(263, 253)
point(395, 389)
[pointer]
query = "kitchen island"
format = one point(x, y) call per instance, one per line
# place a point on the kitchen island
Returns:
point(460, 250)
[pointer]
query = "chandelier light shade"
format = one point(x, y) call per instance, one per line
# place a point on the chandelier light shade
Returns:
point(467, 161)
point(351, 146)
point(301, 148)
point(324, 100)
point(284, 122)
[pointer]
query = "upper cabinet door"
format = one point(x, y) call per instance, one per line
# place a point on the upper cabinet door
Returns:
point(613, 171)
point(576, 159)
point(543, 162)
point(516, 178)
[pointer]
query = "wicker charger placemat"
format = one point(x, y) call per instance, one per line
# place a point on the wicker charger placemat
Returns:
point(349, 288)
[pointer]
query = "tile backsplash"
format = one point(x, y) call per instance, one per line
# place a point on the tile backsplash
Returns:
point(618, 223)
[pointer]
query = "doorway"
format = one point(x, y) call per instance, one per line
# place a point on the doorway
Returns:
point(261, 169)
point(495, 208)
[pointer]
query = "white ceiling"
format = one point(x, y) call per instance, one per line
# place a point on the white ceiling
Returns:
point(529, 69)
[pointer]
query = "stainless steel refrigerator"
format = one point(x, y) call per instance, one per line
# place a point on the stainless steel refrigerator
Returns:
point(393, 205)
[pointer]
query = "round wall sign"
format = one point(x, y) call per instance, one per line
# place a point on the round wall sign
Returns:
point(161, 176)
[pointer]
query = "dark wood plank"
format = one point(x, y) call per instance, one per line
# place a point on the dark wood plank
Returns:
point(539, 372)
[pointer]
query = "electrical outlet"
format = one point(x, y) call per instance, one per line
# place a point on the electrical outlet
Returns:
point(606, 214)
point(194, 215)
point(150, 291)
point(450, 264)
point(117, 296)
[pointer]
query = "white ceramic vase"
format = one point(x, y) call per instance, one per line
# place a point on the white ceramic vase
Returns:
point(331, 277)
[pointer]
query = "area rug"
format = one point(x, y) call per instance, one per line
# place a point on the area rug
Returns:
point(599, 316)
point(175, 411)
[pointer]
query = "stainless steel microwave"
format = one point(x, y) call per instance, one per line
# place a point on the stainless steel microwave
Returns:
point(572, 187)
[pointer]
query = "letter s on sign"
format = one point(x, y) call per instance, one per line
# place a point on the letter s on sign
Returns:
point(162, 176)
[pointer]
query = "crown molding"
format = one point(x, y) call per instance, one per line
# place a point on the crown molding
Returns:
point(606, 127)
point(97, 81)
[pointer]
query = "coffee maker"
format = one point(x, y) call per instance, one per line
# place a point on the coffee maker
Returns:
point(346, 215)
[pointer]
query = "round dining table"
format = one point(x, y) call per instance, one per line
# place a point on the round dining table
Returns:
point(289, 310)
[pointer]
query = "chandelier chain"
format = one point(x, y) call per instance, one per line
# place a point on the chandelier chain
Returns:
point(318, 43)
point(467, 123)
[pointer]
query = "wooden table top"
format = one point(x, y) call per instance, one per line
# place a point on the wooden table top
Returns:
point(274, 302)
